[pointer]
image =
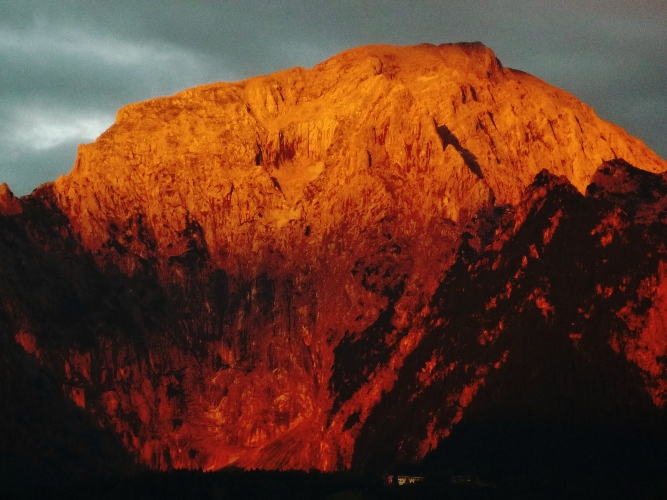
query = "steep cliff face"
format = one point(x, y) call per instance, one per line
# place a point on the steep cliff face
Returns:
point(302, 269)
point(423, 131)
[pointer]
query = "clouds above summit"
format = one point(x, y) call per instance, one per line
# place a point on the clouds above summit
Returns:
point(68, 66)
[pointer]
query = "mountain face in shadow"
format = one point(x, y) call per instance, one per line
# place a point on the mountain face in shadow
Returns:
point(338, 267)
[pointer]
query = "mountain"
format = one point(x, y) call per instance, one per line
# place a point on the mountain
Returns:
point(335, 268)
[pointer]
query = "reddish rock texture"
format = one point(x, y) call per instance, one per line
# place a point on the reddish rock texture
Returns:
point(9, 204)
point(330, 268)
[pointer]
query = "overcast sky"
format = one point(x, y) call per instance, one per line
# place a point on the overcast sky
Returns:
point(67, 66)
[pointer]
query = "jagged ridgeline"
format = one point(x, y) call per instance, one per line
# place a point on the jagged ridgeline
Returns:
point(336, 268)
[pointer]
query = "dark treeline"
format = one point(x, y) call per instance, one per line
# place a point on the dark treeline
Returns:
point(479, 461)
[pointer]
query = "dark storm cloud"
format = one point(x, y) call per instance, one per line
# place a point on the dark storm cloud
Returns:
point(66, 67)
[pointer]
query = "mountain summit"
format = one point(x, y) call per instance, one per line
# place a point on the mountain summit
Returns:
point(433, 131)
point(336, 267)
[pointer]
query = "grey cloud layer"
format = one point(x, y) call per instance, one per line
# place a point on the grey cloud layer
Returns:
point(66, 67)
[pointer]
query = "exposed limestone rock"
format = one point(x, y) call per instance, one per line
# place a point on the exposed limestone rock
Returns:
point(281, 272)
point(428, 130)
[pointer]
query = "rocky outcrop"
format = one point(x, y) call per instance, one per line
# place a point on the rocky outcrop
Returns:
point(301, 269)
point(9, 204)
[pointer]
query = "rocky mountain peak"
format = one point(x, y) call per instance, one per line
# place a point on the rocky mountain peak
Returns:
point(333, 267)
point(439, 130)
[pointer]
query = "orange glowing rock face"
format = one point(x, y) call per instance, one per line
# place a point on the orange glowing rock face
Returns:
point(256, 162)
point(329, 267)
